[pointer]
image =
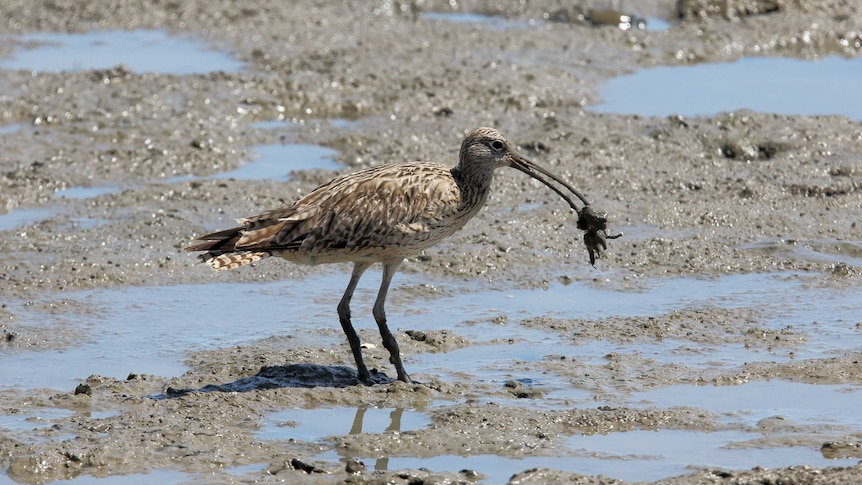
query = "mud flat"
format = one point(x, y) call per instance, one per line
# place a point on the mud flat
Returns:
point(719, 340)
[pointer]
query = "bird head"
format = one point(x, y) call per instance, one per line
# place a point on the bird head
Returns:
point(485, 150)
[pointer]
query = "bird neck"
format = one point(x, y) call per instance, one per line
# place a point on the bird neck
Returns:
point(474, 186)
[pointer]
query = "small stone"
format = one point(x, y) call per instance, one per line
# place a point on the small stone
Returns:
point(84, 389)
point(309, 468)
point(354, 466)
point(469, 473)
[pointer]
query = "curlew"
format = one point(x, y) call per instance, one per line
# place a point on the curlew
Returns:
point(384, 214)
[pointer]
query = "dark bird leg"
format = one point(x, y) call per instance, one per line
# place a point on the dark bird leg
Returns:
point(344, 317)
point(389, 269)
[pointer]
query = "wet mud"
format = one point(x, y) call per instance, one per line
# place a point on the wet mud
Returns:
point(736, 276)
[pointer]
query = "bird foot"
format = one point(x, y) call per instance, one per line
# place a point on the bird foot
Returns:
point(405, 378)
point(375, 377)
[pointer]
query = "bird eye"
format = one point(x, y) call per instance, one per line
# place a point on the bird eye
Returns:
point(497, 145)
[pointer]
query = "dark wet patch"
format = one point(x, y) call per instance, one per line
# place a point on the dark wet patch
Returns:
point(292, 375)
point(743, 150)
point(524, 389)
point(831, 190)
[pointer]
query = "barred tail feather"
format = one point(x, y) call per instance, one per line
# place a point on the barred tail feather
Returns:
point(220, 261)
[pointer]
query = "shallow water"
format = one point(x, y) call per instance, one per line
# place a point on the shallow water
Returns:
point(87, 192)
point(155, 338)
point(25, 216)
point(162, 477)
point(315, 424)
point(642, 455)
point(485, 21)
point(155, 51)
point(795, 402)
point(276, 161)
point(33, 418)
point(830, 251)
point(652, 455)
point(131, 334)
point(632, 455)
point(120, 343)
point(792, 300)
point(766, 84)
point(9, 129)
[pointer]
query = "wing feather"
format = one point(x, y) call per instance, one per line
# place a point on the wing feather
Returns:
point(402, 205)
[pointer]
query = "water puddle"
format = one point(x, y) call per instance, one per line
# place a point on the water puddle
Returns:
point(130, 334)
point(87, 192)
point(255, 468)
point(275, 162)
point(497, 469)
point(345, 124)
point(162, 477)
point(133, 335)
point(22, 217)
point(490, 362)
point(655, 24)
point(796, 402)
point(33, 418)
point(492, 22)
point(634, 456)
point(154, 51)
point(653, 455)
point(190, 317)
point(829, 251)
point(9, 129)
point(316, 424)
point(788, 300)
point(278, 124)
point(766, 84)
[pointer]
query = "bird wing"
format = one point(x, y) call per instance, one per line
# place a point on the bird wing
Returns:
point(373, 208)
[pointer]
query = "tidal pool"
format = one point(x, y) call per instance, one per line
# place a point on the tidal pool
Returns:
point(121, 331)
point(124, 332)
point(276, 161)
point(633, 456)
point(315, 424)
point(767, 84)
point(154, 51)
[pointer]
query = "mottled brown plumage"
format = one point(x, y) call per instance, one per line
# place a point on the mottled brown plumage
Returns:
point(380, 214)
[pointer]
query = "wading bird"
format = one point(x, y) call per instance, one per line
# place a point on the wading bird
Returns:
point(384, 214)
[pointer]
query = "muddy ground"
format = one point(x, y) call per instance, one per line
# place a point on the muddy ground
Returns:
point(701, 196)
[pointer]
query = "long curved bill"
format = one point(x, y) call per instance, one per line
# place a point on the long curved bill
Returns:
point(518, 162)
point(593, 222)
